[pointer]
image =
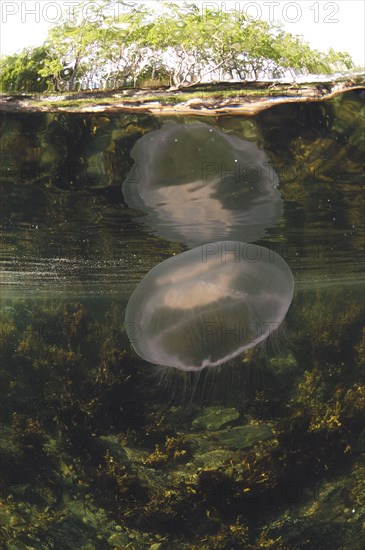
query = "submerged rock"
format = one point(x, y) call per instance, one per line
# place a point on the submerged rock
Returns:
point(213, 418)
point(243, 437)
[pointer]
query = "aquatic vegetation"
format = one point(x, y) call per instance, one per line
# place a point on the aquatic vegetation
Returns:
point(324, 412)
point(340, 151)
point(354, 402)
point(115, 481)
point(174, 448)
point(198, 184)
point(230, 535)
point(360, 349)
point(209, 496)
point(171, 508)
point(207, 305)
point(330, 325)
point(357, 491)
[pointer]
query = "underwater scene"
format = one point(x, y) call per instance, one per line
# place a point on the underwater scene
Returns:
point(182, 329)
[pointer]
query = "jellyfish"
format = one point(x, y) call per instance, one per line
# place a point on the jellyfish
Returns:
point(197, 185)
point(205, 306)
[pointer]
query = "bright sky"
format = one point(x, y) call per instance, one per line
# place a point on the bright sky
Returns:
point(323, 24)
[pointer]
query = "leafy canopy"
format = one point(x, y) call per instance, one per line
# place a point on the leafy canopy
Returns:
point(180, 42)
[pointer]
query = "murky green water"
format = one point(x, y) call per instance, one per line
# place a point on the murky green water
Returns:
point(99, 449)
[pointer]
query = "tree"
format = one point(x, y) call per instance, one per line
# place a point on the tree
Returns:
point(192, 44)
point(67, 49)
point(123, 52)
point(21, 72)
point(339, 60)
point(180, 40)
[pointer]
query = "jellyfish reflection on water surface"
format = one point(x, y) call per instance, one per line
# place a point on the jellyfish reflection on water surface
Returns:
point(207, 305)
point(198, 184)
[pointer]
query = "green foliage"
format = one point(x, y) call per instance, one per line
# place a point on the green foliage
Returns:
point(178, 43)
point(22, 72)
point(69, 46)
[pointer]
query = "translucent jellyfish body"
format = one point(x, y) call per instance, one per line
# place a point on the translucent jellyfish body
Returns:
point(205, 306)
point(198, 184)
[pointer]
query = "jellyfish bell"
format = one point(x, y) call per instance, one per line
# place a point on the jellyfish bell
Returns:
point(198, 184)
point(205, 306)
